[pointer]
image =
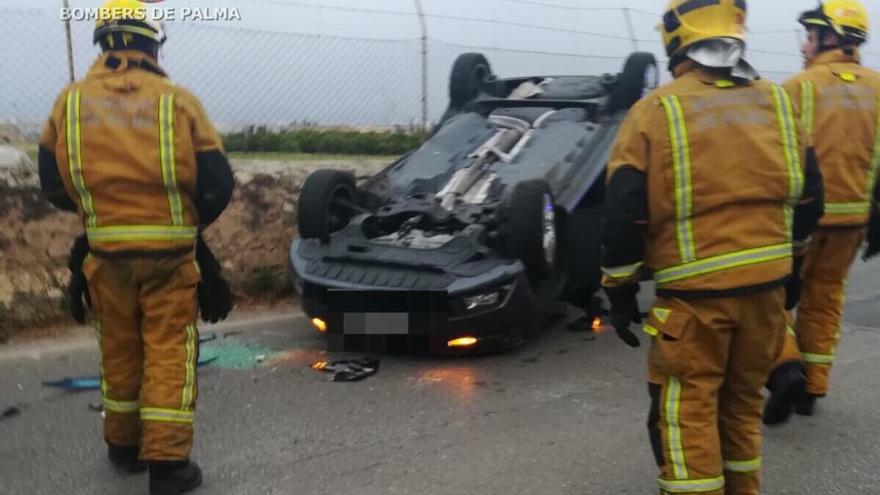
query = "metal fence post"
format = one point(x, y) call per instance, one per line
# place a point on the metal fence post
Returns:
point(632, 31)
point(70, 68)
point(423, 26)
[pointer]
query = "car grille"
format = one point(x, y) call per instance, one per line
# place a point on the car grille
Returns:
point(379, 276)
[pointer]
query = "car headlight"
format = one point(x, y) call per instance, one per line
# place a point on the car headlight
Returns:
point(481, 300)
point(486, 299)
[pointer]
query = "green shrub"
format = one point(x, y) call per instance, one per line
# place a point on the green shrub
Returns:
point(267, 282)
point(260, 139)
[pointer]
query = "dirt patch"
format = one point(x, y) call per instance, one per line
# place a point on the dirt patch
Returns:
point(253, 236)
point(251, 239)
point(4, 326)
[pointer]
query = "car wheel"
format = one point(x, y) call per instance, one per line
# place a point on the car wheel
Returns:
point(327, 202)
point(640, 75)
point(533, 235)
point(469, 73)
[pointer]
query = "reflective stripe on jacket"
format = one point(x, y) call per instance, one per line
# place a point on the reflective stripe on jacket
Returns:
point(125, 140)
point(725, 169)
point(840, 101)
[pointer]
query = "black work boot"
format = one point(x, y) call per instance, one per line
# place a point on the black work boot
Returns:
point(173, 478)
point(126, 459)
point(806, 404)
point(787, 384)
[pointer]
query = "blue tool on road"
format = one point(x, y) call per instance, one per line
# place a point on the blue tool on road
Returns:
point(84, 383)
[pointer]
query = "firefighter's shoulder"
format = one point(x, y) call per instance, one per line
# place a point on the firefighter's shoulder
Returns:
point(184, 99)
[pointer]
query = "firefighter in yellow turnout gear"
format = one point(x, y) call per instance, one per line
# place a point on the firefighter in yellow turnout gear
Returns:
point(137, 158)
point(710, 183)
point(840, 102)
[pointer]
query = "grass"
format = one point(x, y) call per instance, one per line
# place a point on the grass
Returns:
point(306, 157)
point(328, 141)
point(31, 150)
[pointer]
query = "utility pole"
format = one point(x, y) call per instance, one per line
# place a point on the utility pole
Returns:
point(70, 69)
point(632, 31)
point(423, 26)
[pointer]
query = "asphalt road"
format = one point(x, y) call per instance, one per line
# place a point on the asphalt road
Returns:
point(563, 415)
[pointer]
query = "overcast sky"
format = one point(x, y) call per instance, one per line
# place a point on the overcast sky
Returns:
point(234, 68)
point(297, 16)
point(764, 15)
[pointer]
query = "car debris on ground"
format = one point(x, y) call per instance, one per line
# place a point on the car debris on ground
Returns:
point(11, 412)
point(349, 370)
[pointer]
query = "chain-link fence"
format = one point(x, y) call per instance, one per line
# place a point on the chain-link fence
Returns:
point(261, 73)
point(27, 86)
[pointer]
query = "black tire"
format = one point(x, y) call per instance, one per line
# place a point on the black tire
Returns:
point(525, 229)
point(325, 203)
point(633, 81)
point(469, 73)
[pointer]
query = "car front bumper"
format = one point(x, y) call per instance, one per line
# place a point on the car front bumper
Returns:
point(494, 306)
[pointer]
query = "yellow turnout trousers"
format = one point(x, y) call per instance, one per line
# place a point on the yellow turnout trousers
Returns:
point(146, 310)
point(708, 363)
point(817, 324)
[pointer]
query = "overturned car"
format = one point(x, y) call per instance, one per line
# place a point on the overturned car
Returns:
point(467, 242)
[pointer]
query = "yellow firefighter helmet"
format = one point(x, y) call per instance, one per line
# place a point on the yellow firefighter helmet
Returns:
point(690, 21)
point(847, 18)
point(121, 23)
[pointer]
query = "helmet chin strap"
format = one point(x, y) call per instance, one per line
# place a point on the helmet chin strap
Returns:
point(822, 47)
point(841, 44)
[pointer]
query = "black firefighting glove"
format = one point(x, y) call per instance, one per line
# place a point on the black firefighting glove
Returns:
point(873, 248)
point(794, 284)
point(624, 310)
point(215, 296)
point(78, 287)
